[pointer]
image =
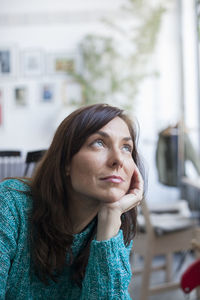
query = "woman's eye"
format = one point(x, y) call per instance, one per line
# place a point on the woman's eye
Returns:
point(127, 148)
point(98, 143)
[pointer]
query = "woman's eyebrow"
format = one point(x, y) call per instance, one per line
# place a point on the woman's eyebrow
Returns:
point(106, 135)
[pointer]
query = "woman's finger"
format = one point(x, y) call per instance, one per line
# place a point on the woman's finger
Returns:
point(137, 182)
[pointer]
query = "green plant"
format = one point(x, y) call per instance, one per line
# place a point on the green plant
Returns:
point(111, 73)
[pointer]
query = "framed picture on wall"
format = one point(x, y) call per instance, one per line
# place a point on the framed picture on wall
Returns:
point(32, 63)
point(21, 96)
point(47, 92)
point(71, 93)
point(7, 61)
point(63, 63)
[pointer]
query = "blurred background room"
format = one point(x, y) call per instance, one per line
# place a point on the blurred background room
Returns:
point(141, 55)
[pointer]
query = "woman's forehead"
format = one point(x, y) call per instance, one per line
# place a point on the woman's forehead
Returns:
point(117, 125)
point(116, 128)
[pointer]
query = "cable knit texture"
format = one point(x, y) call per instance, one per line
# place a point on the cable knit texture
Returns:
point(108, 271)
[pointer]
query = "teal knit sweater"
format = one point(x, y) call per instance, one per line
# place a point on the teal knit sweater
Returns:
point(108, 271)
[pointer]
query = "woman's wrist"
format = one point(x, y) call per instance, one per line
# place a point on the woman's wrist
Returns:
point(109, 222)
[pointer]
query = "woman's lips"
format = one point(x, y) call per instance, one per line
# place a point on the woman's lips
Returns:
point(113, 179)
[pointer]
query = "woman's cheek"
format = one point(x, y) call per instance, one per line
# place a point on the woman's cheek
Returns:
point(131, 177)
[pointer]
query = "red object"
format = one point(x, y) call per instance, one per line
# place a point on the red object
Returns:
point(191, 277)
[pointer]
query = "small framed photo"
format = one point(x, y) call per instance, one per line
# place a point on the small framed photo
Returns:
point(62, 63)
point(21, 96)
point(7, 61)
point(71, 93)
point(47, 92)
point(32, 63)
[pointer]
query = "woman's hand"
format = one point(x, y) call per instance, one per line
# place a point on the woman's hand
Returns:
point(109, 216)
point(132, 198)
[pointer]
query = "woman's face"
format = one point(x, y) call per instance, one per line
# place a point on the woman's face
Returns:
point(103, 167)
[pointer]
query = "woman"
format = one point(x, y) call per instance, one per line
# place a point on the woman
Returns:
point(66, 233)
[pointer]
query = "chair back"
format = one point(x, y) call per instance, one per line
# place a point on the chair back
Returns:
point(148, 226)
point(10, 153)
point(32, 159)
point(162, 234)
point(11, 164)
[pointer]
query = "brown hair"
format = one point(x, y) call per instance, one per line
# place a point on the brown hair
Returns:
point(51, 234)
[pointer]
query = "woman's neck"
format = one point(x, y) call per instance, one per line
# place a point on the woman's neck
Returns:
point(81, 211)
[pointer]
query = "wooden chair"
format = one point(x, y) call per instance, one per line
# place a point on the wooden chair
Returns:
point(196, 243)
point(32, 158)
point(160, 235)
point(11, 164)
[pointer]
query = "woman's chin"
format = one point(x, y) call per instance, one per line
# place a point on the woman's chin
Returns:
point(109, 196)
point(113, 198)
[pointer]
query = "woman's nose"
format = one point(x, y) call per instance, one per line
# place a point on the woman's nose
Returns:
point(115, 159)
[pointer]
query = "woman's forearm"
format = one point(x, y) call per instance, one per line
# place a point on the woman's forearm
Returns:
point(109, 223)
point(108, 272)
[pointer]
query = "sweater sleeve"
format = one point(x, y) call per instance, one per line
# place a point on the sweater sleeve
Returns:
point(108, 272)
point(8, 237)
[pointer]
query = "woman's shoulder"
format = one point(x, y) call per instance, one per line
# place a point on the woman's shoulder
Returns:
point(15, 193)
point(14, 184)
